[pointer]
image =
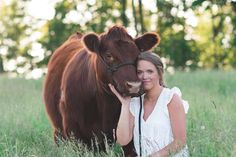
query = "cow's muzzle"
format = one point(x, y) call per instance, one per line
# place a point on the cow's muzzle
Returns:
point(134, 88)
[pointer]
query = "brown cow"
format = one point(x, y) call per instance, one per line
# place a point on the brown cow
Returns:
point(76, 93)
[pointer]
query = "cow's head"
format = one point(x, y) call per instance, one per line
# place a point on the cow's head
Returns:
point(116, 53)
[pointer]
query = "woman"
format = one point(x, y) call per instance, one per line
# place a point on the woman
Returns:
point(159, 129)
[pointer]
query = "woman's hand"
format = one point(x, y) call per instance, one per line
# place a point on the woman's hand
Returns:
point(124, 131)
point(123, 100)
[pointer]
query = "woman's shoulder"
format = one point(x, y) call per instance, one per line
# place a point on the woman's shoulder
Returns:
point(174, 94)
point(173, 90)
point(170, 92)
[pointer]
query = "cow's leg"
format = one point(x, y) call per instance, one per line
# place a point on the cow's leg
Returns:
point(58, 135)
point(71, 126)
point(52, 98)
point(56, 120)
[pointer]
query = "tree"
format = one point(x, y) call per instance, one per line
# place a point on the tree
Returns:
point(173, 30)
point(210, 44)
point(233, 42)
point(123, 14)
point(14, 33)
point(135, 18)
point(141, 17)
point(1, 65)
point(215, 44)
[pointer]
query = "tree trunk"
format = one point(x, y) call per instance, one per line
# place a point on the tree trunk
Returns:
point(123, 15)
point(158, 22)
point(141, 16)
point(233, 4)
point(135, 18)
point(215, 63)
point(1, 65)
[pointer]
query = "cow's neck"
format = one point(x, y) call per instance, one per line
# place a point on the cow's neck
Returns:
point(109, 109)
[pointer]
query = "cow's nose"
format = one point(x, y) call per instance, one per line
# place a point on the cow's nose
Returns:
point(133, 87)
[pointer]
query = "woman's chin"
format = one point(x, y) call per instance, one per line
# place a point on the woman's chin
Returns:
point(146, 88)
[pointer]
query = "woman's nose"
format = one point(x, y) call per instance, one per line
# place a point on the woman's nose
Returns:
point(145, 75)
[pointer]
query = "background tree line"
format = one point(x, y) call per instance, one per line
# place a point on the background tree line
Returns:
point(194, 33)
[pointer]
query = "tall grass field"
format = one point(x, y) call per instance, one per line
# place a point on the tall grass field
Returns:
point(25, 130)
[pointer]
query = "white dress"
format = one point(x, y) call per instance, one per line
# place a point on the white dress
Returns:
point(156, 130)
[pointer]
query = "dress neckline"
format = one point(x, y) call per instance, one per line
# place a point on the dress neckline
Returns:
point(157, 102)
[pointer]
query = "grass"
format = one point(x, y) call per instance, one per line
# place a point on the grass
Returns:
point(212, 115)
point(25, 130)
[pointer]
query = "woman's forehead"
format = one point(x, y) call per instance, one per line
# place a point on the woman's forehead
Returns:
point(143, 64)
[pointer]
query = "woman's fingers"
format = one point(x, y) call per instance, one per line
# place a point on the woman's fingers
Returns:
point(114, 91)
point(123, 100)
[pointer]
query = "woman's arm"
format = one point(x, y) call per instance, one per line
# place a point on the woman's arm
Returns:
point(124, 131)
point(178, 125)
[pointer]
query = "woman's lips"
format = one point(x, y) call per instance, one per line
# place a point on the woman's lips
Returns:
point(146, 82)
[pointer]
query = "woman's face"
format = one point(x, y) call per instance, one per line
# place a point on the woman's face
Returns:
point(147, 73)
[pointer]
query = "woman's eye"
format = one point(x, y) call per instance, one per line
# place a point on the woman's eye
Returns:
point(139, 72)
point(149, 71)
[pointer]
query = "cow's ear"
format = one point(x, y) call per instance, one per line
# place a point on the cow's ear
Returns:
point(91, 42)
point(147, 41)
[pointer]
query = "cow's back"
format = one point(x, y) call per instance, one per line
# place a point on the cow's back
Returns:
point(52, 83)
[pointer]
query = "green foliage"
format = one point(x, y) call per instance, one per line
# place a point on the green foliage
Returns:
point(13, 30)
point(16, 33)
point(197, 3)
point(179, 51)
point(217, 51)
point(57, 31)
point(209, 44)
point(174, 45)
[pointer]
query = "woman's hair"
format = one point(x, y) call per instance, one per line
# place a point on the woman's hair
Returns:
point(156, 61)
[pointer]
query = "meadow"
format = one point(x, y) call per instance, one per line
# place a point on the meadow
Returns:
point(211, 121)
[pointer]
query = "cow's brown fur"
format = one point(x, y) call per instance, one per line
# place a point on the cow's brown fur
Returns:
point(77, 98)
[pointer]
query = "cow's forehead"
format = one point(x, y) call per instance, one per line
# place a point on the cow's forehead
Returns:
point(119, 46)
point(116, 33)
point(121, 50)
point(117, 40)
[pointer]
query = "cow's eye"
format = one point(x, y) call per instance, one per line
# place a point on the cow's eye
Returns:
point(109, 57)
